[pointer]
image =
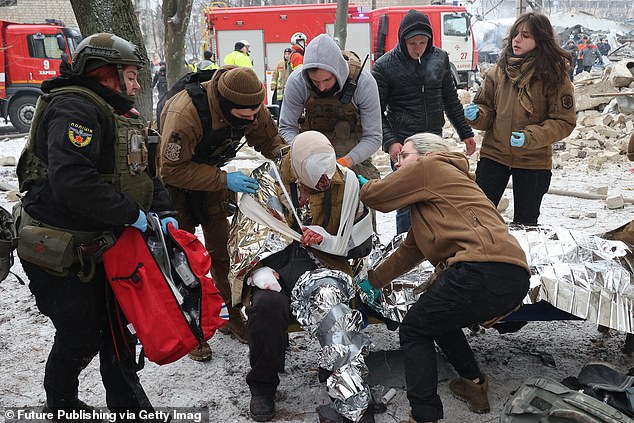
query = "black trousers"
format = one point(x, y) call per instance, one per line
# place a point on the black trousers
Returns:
point(529, 187)
point(267, 326)
point(79, 312)
point(462, 295)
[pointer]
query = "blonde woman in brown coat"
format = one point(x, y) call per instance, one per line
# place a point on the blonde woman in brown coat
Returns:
point(525, 105)
point(481, 270)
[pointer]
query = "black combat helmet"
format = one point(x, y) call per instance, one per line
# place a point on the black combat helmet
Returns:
point(107, 49)
point(102, 49)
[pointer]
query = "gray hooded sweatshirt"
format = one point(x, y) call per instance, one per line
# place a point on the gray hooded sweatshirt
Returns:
point(324, 53)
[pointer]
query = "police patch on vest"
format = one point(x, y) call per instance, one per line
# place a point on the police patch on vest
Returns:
point(566, 101)
point(172, 152)
point(79, 135)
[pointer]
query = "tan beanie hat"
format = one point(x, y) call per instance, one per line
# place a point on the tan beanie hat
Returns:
point(241, 86)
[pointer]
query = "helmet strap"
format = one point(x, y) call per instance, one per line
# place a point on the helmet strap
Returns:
point(124, 89)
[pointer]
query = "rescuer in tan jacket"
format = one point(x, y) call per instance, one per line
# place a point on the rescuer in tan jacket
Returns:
point(481, 270)
point(191, 157)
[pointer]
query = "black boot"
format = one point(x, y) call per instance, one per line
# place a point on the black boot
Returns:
point(74, 411)
point(262, 407)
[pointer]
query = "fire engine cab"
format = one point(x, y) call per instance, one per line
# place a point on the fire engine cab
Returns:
point(269, 29)
point(30, 54)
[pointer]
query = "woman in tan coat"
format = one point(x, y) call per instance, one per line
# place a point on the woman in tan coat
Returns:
point(525, 104)
point(481, 270)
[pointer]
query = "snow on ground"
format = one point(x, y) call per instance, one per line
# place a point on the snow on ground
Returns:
point(26, 336)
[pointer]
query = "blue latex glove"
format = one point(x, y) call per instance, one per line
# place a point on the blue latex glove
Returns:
point(239, 182)
point(167, 220)
point(141, 222)
point(362, 180)
point(372, 293)
point(471, 112)
point(517, 139)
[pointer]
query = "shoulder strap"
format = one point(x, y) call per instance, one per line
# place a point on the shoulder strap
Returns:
point(201, 103)
point(354, 72)
point(94, 97)
point(327, 208)
point(354, 64)
point(294, 202)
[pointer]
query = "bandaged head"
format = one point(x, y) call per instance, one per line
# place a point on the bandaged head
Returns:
point(312, 156)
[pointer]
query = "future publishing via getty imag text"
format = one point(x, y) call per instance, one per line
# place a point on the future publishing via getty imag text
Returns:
point(31, 414)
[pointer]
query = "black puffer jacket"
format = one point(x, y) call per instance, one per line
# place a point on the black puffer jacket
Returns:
point(414, 94)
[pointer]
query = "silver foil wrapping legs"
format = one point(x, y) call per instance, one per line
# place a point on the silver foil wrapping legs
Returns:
point(319, 302)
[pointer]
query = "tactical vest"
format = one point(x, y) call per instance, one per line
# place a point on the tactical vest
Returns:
point(130, 148)
point(340, 122)
point(217, 145)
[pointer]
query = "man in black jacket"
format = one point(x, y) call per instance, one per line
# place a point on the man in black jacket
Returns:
point(416, 87)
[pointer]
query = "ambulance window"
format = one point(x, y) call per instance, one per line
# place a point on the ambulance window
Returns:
point(43, 46)
point(455, 24)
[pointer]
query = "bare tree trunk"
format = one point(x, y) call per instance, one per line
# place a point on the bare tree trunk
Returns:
point(117, 17)
point(176, 15)
point(158, 31)
point(341, 23)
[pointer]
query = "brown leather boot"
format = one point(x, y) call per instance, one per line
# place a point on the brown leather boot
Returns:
point(201, 352)
point(474, 394)
point(235, 327)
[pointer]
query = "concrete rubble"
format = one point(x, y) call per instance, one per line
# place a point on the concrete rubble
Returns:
point(605, 122)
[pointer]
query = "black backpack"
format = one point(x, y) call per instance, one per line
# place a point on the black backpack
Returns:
point(190, 82)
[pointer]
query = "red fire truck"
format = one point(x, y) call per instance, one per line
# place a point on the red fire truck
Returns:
point(269, 29)
point(30, 54)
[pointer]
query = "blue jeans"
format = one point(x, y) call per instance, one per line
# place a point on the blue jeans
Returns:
point(403, 220)
point(464, 294)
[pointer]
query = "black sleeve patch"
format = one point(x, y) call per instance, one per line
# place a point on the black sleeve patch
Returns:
point(79, 135)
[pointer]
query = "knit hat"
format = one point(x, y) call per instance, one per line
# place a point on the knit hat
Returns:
point(241, 86)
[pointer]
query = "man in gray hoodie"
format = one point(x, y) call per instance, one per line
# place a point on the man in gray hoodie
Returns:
point(333, 95)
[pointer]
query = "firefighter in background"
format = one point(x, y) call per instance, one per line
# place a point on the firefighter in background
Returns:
point(298, 46)
point(581, 45)
point(208, 62)
point(332, 94)
point(191, 157)
point(279, 77)
point(84, 168)
point(240, 55)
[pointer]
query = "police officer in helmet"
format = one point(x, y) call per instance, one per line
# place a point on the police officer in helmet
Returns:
point(84, 173)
